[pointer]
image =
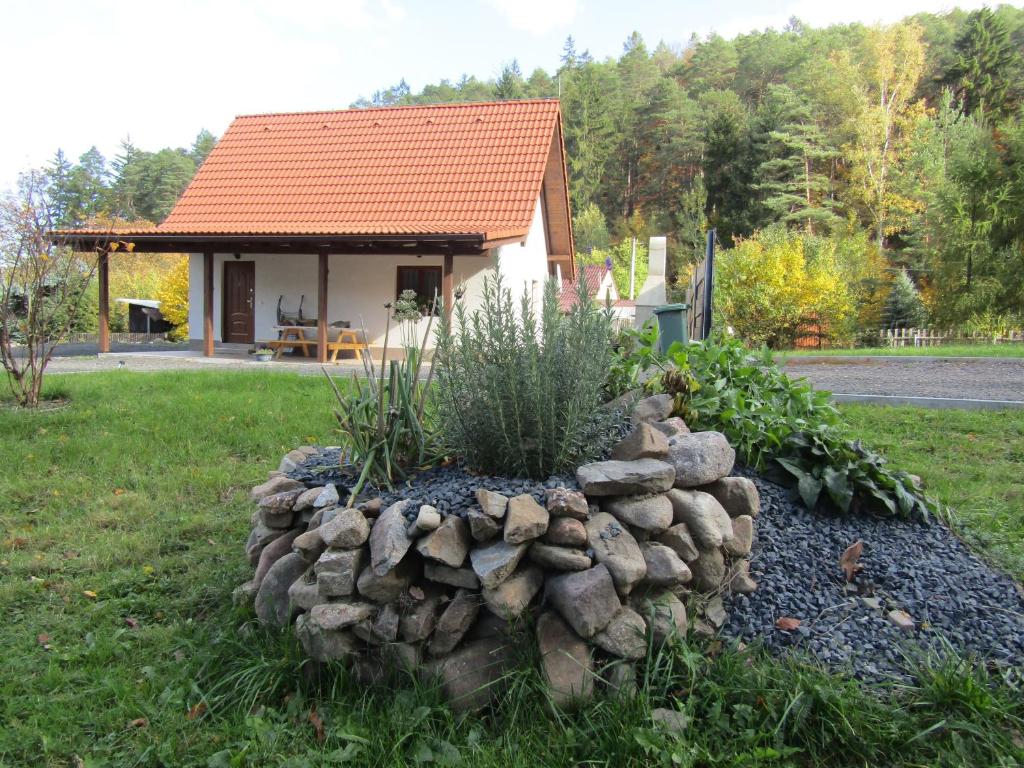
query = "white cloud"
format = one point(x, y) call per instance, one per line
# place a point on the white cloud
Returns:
point(538, 17)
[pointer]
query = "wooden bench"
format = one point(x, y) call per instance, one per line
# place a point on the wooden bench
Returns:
point(347, 340)
point(279, 345)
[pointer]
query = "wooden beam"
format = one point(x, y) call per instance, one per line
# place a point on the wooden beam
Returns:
point(321, 309)
point(448, 283)
point(103, 272)
point(208, 304)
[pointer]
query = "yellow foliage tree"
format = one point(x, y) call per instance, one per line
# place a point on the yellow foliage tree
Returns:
point(766, 288)
point(172, 293)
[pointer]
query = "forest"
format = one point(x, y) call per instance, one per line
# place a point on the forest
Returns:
point(858, 177)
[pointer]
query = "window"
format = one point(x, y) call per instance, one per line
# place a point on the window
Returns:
point(425, 281)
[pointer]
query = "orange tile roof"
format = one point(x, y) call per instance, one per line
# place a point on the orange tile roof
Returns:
point(473, 168)
point(592, 276)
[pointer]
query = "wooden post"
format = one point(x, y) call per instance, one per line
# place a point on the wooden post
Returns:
point(208, 304)
point(321, 309)
point(448, 284)
point(103, 272)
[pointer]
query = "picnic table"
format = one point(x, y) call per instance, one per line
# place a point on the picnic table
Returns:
point(294, 337)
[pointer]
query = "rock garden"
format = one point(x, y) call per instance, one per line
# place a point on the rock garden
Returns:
point(584, 537)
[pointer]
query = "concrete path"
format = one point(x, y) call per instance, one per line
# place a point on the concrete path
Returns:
point(193, 361)
point(954, 382)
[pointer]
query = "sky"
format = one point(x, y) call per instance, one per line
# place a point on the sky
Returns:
point(78, 73)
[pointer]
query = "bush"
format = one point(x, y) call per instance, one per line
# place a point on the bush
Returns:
point(776, 423)
point(520, 394)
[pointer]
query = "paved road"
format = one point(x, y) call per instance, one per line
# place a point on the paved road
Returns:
point(949, 379)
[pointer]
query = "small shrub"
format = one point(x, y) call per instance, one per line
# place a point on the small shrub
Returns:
point(775, 422)
point(521, 394)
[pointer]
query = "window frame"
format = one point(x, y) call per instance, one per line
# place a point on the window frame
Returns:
point(420, 270)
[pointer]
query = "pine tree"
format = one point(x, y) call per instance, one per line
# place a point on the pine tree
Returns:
point(510, 83)
point(904, 308)
point(987, 66)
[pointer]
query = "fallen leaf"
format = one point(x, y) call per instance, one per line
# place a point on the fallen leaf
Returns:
point(131, 622)
point(119, 491)
point(179, 655)
point(848, 560)
point(148, 569)
point(196, 710)
point(318, 725)
point(787, 623)
point(17, 542)
point(139, 722)
point(70, 555)
point(44, 640)
point(211, 542)
point(89, 593)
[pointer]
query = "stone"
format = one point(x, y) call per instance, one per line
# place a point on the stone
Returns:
point(620, 680)
point(454, 622)
point(291, 461)
point(371, 507)
point(323, 645)
point(404, 657)
point(306, 499)
point(448, 544)
point(385, 625)
point(901, 620)
point(664, 613)
point(470, 677)
point(276, 510)
point(559, 558)
point(671, 720)
point(679, 540)
point(273, 552)
point(332, 616)
point(664, 567)
point(320, 517)
point(653, 408)
point(510, 598)
point(739, 578)
point(562, 502)
point(308, 450)
point(708, 570)
point(384, 589)
point(649, 513)
point(418, 620)
point(625, 478)
point(482, 527)
point(260, 537)
point(644, 442)
point(245, 593)
point(337, 571)
point(389, 539)
point(585, 599)
point(706, 520)
point(672, 427)
point(565, 531)
point(616, 548)
point(346, 530)
point(742, 536)
point(492, 504)
point(715, 613)
point(303, 593)
point(526, 520)
point(328, 497)
point(738, 495)
point(625, 635)
point(700, 458)
point(495, 562)
point(309, 545)
point(272, 604)
point(453, 577)
point(275, 485)
point(427, 519)
point(488, 626)
point(566, 661)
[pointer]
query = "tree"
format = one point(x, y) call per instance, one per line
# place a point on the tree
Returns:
point(172, 294)
point(202, 146)
point(590, 230)
point(986, 69)
point(904, 308)
point(42, 287)
point(510, 83)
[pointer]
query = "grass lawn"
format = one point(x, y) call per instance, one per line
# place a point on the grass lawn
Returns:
point(953, 350)
point(972, 461)
point(122, 523)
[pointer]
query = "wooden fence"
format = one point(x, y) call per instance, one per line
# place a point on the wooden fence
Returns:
point(115, 338)
point(931, 337)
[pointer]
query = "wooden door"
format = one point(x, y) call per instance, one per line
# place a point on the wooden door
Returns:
point(239, 302)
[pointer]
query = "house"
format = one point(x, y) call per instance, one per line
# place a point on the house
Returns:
point(339, 212)
point(144, 316)
point(600, 287)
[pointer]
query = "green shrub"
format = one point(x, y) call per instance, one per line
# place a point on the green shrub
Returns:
point(520, 393)
point(776, 422)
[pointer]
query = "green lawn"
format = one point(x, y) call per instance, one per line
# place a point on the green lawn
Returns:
point(122, 523)
point(953, 350)
point(973, 461)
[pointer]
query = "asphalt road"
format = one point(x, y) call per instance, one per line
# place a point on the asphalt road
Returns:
point(967, 380)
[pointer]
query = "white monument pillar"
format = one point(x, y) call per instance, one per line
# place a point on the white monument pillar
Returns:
point(653, 293)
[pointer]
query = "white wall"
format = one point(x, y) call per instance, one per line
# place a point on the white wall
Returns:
point(360, 285)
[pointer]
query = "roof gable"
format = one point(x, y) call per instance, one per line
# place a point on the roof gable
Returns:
point(473, 168)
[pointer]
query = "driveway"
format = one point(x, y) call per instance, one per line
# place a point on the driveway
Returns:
point(937, 382)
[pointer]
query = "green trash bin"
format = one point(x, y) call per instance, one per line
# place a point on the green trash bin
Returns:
point(671, 325)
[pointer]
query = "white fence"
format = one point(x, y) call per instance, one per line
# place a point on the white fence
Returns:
point(931, 337)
